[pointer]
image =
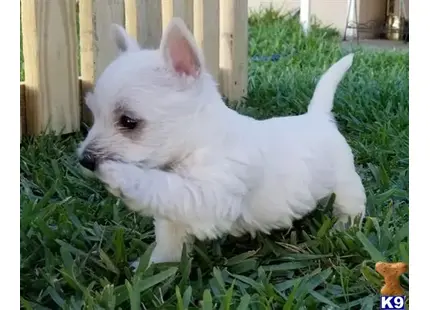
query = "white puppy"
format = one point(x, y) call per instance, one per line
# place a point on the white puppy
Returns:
point(164, 141)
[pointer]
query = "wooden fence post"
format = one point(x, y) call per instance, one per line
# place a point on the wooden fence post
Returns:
point(234, 48)
point(206, 32)
point(143, 21)
point(97, 46)
point(305, 15)
point(51, 65)
point(178, 8)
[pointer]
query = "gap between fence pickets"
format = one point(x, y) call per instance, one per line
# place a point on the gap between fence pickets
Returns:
point(23, 127)
point(83, 88)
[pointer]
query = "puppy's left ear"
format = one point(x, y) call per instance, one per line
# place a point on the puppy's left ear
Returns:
point(122, 39)
point(180, 51)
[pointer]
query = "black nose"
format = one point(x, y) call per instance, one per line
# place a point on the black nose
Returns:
point(88, 161)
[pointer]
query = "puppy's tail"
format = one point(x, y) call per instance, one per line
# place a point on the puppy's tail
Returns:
point(322, 99)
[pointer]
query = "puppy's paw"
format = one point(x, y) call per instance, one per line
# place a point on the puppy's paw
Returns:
point(108, 173)
point(345, 222)
point(341, 225)
point(160, 255)
point(115, 176)
point(155, 259)
point(134, 265)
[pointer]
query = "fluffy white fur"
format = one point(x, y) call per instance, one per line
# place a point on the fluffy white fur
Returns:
point(230, 174)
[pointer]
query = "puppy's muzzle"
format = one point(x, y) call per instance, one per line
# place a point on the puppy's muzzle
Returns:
point(88, 161)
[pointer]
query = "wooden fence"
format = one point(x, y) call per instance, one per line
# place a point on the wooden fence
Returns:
point(58, 34)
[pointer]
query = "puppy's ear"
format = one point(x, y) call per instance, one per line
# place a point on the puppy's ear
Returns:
point(123, 41)
point(180, 51)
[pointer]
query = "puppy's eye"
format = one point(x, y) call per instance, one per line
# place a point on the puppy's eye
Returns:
point(128, 122)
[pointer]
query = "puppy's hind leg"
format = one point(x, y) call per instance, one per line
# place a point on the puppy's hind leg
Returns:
point(350, 201)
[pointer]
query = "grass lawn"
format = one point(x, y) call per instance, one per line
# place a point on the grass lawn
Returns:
point(77, 240)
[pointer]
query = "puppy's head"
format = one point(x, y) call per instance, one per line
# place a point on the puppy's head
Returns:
point(146, 101)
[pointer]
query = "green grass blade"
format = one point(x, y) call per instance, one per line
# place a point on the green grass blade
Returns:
point(149, 282)
point(207, 300)
point(370, 248)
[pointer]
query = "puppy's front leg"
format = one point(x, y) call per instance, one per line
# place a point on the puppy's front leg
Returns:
point(153, 192)
point(170, 238)
point(187, 203)
point(163, 195)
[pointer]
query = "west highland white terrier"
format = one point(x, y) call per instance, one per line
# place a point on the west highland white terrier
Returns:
point(166, 144)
